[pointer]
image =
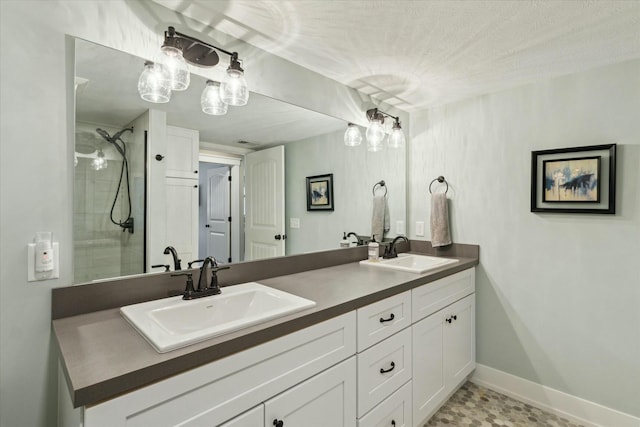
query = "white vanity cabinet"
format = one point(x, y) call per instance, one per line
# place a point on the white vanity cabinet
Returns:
point(215, 393)
point(390, 363)
point(443, 341)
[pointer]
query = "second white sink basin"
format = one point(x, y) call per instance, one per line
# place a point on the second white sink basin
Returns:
point(172, 323)
point(411, 263)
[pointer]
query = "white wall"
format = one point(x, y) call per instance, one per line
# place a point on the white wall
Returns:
point(36, 159)
point(355, 171)
point(558, 295)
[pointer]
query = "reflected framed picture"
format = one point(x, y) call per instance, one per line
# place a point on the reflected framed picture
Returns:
point(320, 192)
point(574, 180)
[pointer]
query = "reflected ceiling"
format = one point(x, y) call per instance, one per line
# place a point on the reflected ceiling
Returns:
point(107, 93)
point(418, 54)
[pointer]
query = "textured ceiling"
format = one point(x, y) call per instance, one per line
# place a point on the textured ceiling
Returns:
point(418, 54)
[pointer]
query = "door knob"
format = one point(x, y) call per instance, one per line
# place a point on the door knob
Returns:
point(207, 226)
point(278, 423)
point(278, 237)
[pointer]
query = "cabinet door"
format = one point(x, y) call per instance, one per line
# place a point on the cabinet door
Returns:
point(182, 152)
point(328, 399)
point(181, 219)
point(459, 341)
point(429, 387)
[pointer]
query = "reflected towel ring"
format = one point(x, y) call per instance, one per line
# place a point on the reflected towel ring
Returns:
point(382, 184)
point(441, 180)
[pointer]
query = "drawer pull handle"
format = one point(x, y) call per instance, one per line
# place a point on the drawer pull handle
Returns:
point(383, 371)
point(382, 319)
point(278, 423)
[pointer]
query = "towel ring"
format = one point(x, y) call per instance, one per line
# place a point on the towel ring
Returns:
point(381, 184)
point(441, 180)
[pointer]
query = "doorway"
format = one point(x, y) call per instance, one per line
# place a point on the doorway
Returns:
point(218, 208)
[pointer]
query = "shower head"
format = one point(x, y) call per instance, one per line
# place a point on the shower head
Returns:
point(112, 139)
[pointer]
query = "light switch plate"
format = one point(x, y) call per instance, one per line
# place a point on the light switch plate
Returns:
point(294, 222)
point(420, 228)
point(400, 228)
point(32, 275)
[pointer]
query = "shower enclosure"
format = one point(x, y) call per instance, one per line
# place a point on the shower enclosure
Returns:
point(109, 202)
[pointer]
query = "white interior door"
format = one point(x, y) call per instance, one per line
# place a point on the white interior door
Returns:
point(218, 214)
point(264, 225)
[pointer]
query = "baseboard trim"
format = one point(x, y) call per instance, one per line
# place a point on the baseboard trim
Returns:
point(573, 408)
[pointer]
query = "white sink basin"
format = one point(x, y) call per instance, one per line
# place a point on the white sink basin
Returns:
point(412, 263)
point(172, 323)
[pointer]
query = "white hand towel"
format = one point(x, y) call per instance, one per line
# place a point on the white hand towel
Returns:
point(380, 221)
point(440, 234)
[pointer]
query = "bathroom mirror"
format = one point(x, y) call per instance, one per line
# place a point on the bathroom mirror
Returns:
point(107, 99)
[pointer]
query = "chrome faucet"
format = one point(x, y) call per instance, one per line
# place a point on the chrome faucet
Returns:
point(390, 251)
point(176, 262)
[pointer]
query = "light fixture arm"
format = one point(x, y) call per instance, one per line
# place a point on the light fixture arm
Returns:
point(196, 51)
point(376, 114)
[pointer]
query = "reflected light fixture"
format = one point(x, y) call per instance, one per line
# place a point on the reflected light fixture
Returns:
point(210, 100)
point(100, 162)
point(375, 131)
point(179, 50)
point(352, 136)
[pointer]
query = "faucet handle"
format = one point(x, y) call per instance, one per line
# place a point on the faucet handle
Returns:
point(189, 289)
point(194, 261)
point(166, 266)
point(220, 267)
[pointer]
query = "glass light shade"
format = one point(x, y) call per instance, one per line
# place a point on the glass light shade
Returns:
point(396, 138)
point(352, 136)
point(100, 162)
point(234, 88)
point(210, 100)
point(375, 135)
point(173, 61)
point(153, 84)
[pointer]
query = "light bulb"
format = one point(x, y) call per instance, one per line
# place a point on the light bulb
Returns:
point(153, 84)
point(173, 61)
point(352, 136)
point(375, 135)
point(396, 138)
point(100, 162)
point(210, 100)
point(234, 88)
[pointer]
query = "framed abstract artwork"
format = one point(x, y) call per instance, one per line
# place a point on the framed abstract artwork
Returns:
point(574, 180)
point(320, 192)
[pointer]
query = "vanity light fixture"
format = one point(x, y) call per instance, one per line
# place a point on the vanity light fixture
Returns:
point(352, 136)
point(171, 67)
point(375, 131)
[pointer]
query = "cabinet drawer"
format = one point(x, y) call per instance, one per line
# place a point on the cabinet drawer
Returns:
point(394, 411)
point(252, 418)
point(382, 369)
point(382, 319)
point(429, 298)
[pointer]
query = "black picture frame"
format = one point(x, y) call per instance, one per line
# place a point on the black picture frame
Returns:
point(320, 193)
point(574, 180)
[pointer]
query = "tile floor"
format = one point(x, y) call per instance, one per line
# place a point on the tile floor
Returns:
point(477, 406)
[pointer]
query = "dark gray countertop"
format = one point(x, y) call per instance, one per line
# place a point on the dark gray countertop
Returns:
point(103, 356)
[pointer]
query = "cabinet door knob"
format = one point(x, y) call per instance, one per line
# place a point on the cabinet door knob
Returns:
point(454, 317)
point(278, 423)
point(389, 319)
point(393, 423)
point(384, 371)
point(448, 320)
point(278, 237)
point(159, 157)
